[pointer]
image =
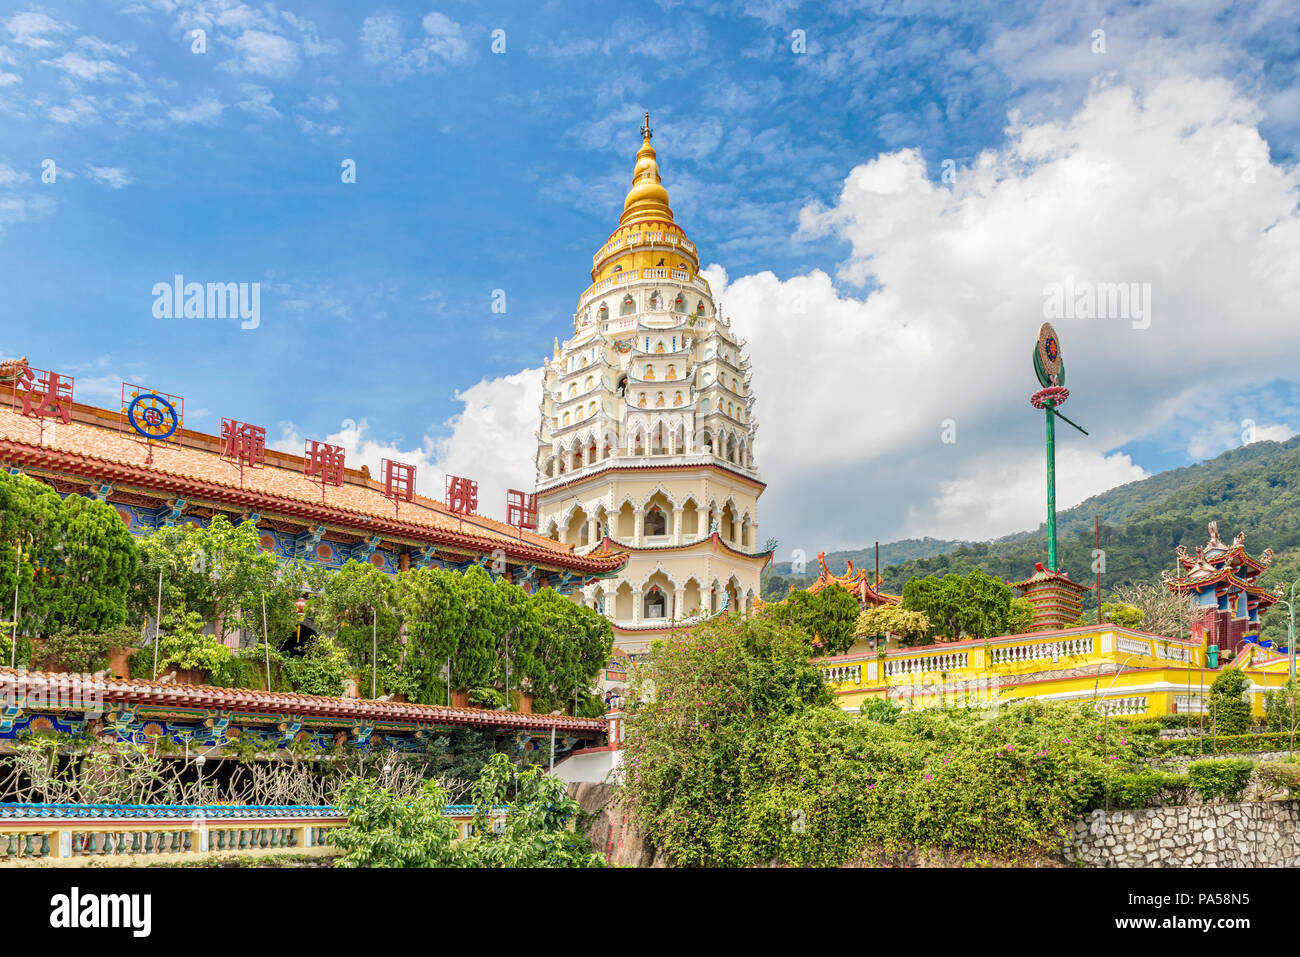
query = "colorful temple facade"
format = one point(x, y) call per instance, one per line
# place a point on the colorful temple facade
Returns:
point(1124, 671)
point(1221, 583)
point(646, 440)
point(174, 718)
point(306, 506)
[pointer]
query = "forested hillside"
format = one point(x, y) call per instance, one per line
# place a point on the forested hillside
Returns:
point(1255, 489)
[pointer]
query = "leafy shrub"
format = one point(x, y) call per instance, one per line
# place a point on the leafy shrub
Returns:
point(385, 830)
point(321, 670)
point(83, 651)
point(487, 698)
point(1139, 788)
point(879, 709)
point(1277, 776)
point(1179, 720)
point(1143, 727)
point(1229, 710)
point(1282, 708)
point(1226, 779)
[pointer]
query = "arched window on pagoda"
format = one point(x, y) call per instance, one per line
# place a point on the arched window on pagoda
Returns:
point(656, 522)
point(679, 304)
point(671, 373)
point(656, 603)
point(603, 313)
point(699, 308)
point(628, 307)
point(649, 373)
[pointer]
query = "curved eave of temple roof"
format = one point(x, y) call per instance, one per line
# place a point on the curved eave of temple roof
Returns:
point(1224, 575)
point(113, 692)
point(1231, 558)
point(84, 464)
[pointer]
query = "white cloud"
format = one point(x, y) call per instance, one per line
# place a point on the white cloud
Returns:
point(201, 111)
point(257, 101)
point(33, 30)
point(490, 441)
point(116, 177)
point(384, 43)
point(265, 54)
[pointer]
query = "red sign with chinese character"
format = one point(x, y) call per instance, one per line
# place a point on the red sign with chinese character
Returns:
point(462, 494)
point(521, 509)
point(244, 443)
point(45, 394)
point(324, 461)
point(399, 480)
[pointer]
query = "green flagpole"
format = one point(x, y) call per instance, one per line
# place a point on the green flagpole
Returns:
point(1051, 487)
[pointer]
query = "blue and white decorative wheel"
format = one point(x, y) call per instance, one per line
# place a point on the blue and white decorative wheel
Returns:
point(152, 416)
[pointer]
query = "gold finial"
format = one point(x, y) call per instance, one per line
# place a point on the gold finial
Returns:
point(647, 199)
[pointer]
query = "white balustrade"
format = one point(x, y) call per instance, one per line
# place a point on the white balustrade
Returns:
point(1042, 651)
point(1131, 646)
point(923, 663)
point(842, 673)
point(1174, 652)
point(1136, 704)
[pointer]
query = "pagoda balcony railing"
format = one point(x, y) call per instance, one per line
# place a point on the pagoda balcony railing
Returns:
point(623, 461)
point(628, 276)
point(656, 238)
point(1042, 651)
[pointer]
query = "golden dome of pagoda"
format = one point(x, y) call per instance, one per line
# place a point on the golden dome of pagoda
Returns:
point(647, 199)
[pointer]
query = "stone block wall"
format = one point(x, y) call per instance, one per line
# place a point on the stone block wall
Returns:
point(1249, 834)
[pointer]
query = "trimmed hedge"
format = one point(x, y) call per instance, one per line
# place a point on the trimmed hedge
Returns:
point(1227, 744)
point(1138, 789)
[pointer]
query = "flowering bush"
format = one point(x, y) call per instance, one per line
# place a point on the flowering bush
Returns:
point(740, 758)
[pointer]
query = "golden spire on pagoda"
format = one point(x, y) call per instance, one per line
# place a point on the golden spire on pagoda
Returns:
point(647, 199)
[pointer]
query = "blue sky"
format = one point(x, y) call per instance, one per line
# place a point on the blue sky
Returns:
point(479, 171)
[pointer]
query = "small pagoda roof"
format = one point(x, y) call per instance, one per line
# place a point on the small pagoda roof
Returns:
point(855, 581)
point(1043, 576)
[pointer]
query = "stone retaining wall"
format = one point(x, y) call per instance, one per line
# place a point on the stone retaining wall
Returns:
point(1249, 834)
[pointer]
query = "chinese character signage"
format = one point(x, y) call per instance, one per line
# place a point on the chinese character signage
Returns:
point(521, 510)
point(44, 394)
point(462, 495)
point(243, 443)
point(399, 480)
point(324, 462)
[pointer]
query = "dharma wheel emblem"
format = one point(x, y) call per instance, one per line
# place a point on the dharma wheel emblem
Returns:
point(1048, 365)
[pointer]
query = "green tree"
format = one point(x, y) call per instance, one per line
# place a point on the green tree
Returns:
point(1282, 708)
point(911, 627)
point(1229, 710)
point(533, 829)
point(385, 830)
point(827, 616)
point(217, 571)
point(1122, 614)
point(359, 610)
point(695, 699)
point(573, 644)
point(976, 606)
point(434, 616)
point(78, 560)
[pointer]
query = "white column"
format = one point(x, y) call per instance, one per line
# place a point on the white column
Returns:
point(677, 525)
point(679, 603)
point(593, 530)
point(636, 605)
point(638, 520)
